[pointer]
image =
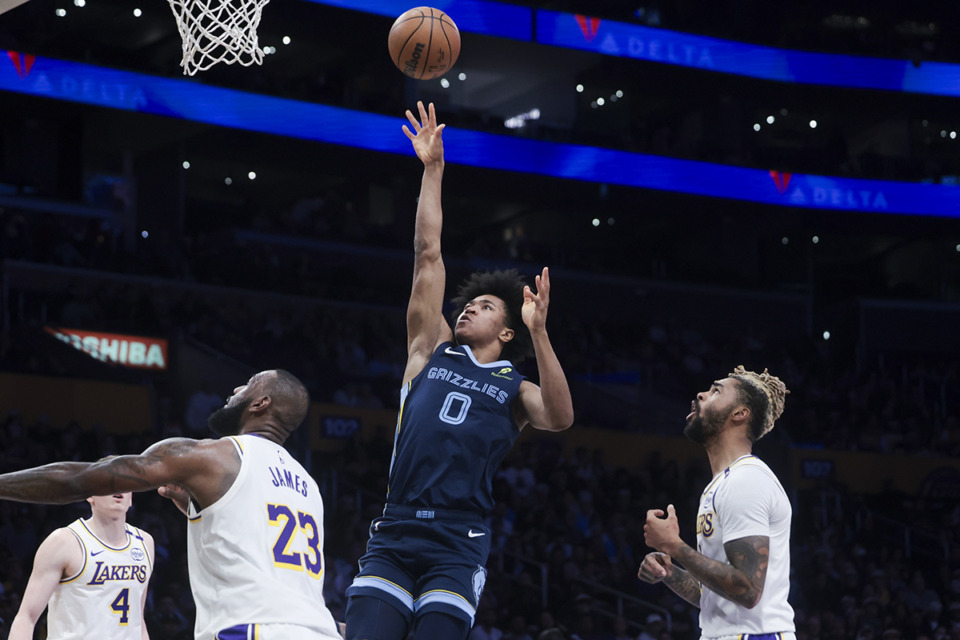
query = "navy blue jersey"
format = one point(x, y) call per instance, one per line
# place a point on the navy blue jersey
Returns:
point(454, 428)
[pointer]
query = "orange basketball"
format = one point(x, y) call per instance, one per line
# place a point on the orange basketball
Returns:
point(424, 43)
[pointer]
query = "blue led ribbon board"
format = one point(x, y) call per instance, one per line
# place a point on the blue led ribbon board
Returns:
point(475, 16)
point(627, 40)
point(129, 91)
point(767, 63)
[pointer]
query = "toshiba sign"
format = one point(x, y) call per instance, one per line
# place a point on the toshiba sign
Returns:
point(126, 350)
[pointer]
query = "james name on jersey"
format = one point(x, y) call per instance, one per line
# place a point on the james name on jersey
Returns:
point(285, 478)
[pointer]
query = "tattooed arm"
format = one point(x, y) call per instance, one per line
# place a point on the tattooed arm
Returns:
point(741, 581)
point(658, 567)
point(205, 468)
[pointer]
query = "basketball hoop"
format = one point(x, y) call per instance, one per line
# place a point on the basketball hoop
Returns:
point(218, 31)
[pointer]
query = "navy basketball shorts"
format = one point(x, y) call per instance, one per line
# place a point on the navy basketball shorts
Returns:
point(421, 560)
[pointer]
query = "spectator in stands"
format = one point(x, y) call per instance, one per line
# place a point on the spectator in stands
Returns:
point(653, 625)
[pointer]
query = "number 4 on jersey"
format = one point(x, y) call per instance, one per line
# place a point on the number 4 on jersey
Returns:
point(121, 605)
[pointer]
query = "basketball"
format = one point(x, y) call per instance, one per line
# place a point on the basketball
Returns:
point(424, 43)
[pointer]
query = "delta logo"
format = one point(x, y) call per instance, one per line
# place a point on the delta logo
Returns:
point(642, 44)
point(588, 26)
point(126, 350)
point(22, 62)
point(833, 197)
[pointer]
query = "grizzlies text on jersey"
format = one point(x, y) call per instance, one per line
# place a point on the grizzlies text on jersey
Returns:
point(454, 428)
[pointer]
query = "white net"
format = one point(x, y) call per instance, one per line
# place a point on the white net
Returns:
point(218, 31)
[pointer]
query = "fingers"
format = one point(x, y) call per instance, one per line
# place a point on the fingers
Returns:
point(426, 120)
point(173, 493)
point(653, 568)
point(653, 514)
point(671, 512)
point(543, 284)
point(176, 494)
point(661, 565)
point(656, 571)
point(645, 574)
point(413, 121)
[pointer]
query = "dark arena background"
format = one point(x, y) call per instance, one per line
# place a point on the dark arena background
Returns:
point(773, 184)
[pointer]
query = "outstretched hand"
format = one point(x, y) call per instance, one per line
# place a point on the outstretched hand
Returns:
point(534, 310)
point(428, 139)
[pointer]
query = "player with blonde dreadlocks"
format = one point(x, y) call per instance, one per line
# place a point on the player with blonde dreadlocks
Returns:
point(739, 574)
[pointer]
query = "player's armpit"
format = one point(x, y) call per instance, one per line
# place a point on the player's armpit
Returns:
point(206, 469)
point(175, 460)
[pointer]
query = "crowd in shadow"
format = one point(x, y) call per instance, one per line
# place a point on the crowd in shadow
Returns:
point(568, 524)
point(568, 534)
point(310, 312)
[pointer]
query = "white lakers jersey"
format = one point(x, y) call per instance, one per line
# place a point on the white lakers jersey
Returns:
point(746, 499)
point(256, 555)
point(103, 600)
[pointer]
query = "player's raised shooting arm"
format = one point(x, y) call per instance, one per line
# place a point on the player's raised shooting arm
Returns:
point(180, 460)
point(426, 327)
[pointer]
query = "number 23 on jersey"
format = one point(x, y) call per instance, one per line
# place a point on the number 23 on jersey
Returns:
point(293, 525)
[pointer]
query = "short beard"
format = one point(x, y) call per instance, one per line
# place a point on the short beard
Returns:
point(225, 421)
point(700, 429)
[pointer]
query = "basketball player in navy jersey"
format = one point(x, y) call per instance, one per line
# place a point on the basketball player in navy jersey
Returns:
point(463, 404)
point(255, 534)
point(93, 574)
